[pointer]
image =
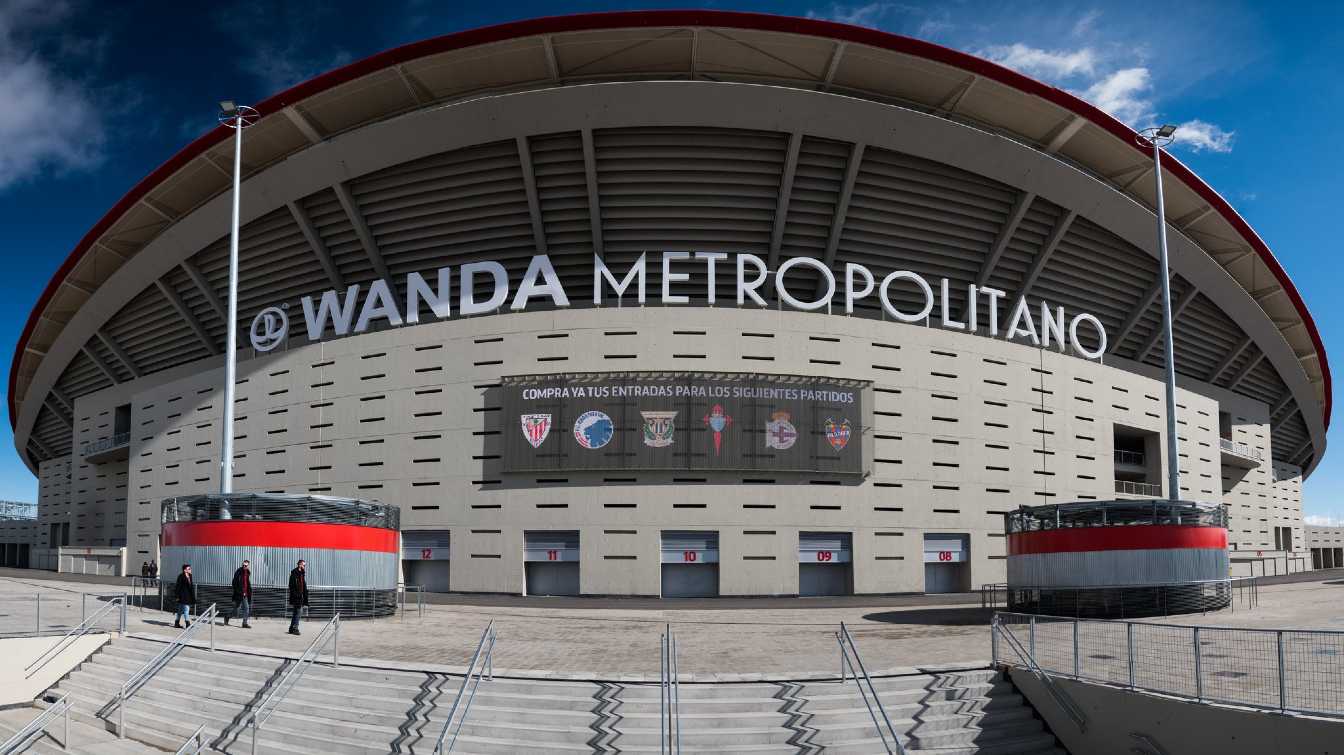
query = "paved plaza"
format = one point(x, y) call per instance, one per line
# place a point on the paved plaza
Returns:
point(577, 637)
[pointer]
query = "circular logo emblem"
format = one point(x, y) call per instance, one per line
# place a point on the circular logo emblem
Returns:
point(269, 328)
point(593, 430)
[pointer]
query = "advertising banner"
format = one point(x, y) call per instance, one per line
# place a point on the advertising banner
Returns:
point(683, 421)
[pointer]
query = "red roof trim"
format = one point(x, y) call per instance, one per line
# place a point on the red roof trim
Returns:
point(631, 19)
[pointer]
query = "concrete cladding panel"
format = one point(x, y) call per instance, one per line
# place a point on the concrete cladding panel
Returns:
point(963, 429)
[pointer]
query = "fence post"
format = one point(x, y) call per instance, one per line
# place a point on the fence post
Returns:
point(336, 644)
point(1283, 674)
point(1129, 642)
point(993, 643)
point(1031, 638)
point(123, 613)
point(1199, 670)
point(83, 607)
point(37, 627)
point(1076, 675)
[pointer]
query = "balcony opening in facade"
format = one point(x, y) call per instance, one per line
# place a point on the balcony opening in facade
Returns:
point(1138, 462)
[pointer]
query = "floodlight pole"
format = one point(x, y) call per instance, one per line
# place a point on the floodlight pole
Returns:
point(1158, 138)
point(237, 117)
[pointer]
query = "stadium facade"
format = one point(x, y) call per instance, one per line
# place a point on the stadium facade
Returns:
point(673, 303)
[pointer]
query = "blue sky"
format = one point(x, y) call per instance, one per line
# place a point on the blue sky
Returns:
point(98, 94)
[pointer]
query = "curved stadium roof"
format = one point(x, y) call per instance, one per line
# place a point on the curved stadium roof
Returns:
point(1283, 363)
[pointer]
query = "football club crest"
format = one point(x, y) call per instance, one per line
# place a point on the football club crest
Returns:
point(535, 428)
point(780, 434)
point(593, 430)
point(717, 421)
point(658, 428)
point(837, 433)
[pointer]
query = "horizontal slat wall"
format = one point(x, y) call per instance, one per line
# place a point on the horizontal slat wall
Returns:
point(674, 189)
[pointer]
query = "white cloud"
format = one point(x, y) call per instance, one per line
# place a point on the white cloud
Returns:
point(1048, 64)
point(1124, 94)
point(1200, 136)
point(283, 49)
point(49, 121)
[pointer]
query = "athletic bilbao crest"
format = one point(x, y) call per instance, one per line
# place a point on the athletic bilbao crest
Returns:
point(780, 434)
point(535, 428)
point(658, 428)
point(837, 433)
point(717, 421)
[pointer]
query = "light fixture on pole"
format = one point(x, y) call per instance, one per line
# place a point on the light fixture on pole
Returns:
point(236, 117)
point(1158, 137)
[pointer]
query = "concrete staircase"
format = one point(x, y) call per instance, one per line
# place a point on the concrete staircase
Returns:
point(85, 738)
point(361, 711)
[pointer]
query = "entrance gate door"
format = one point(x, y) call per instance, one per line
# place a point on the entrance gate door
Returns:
point(551, 562)
point(690, 564)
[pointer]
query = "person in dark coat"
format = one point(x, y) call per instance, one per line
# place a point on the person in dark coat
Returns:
point(298, 594)
point(186, 596)
point(144, 569)
point(153, 570)
point(242, 594)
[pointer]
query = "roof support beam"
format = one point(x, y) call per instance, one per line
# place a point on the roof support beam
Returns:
point(1159, 332)
point(60, 397)
point(362, 230)
point(533, 203)
point(43, 447)
point(842, 208)
point(1228, 360)
point(1260, 294)
point(1137, 177)
point(187, 315)
point(194, 273)
point(552, 63)
point(1296, 456)
point(70, 423)
point(695, 51)
point(1192, 217)
point(159, 209)
point(303, 123)
point(833, 65)
point(1226, 257)
point(1280, 404)
point(1136, 313)
point(315, 243)
point(117, 352)
point(594, 204)
point(1006, 233)
point(418, 92)
point(954, 98)
point(104, 366)
point(1047, 249)
point(1276, 424)
point(1244, 371)
point(1064, 132)
point(785, 193)
point(82, 288)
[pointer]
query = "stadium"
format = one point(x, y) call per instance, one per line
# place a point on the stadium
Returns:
point(672, 303)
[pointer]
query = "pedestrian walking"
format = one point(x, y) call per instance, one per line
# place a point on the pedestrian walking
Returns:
point(144, 569)
point(153, 570)
point(242, 594)
point(186, 596)
point(298, 595)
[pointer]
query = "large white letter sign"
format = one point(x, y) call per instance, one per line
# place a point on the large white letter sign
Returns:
point(670, 277)
point(946, 303)
point(851, 294)
point(711, 281)
point(1021, 314)
point(923, 285)
point(1101, 336)
point(339, 314)
point(1052, 324)
point(821, 269)
point(747, 288)
point(417, 290)
point(600, 273)
point(378, 303)
point(539, 266)
point(467, 296)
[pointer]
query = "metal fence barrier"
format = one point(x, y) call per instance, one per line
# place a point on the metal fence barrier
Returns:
point(142, 675)
point(34, 729)
point(403, 593)
point(114, 609)
point(849, 657)
point(39, 614)
point(1125, 601)
point(669, 694)
point(268, 600)
point(1299, 670)
point(195, 743)
point(482, 667)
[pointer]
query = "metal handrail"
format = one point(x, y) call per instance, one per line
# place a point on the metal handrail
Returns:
point(195, 743)
point(403, 590)
point(484, 657)
point(1129, 487)
point(849, 655)
point(264, 709)
point(1240, 448)
point(1123, 456)
point(105, 444)
point(669, 695)
point(142, 675)
point(74, 634)
point(1075, 713)
point(36, 727)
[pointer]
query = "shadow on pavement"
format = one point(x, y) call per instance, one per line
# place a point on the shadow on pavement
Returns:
point(952, 617)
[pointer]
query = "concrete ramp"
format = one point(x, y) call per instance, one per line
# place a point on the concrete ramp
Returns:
point(20, 686)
